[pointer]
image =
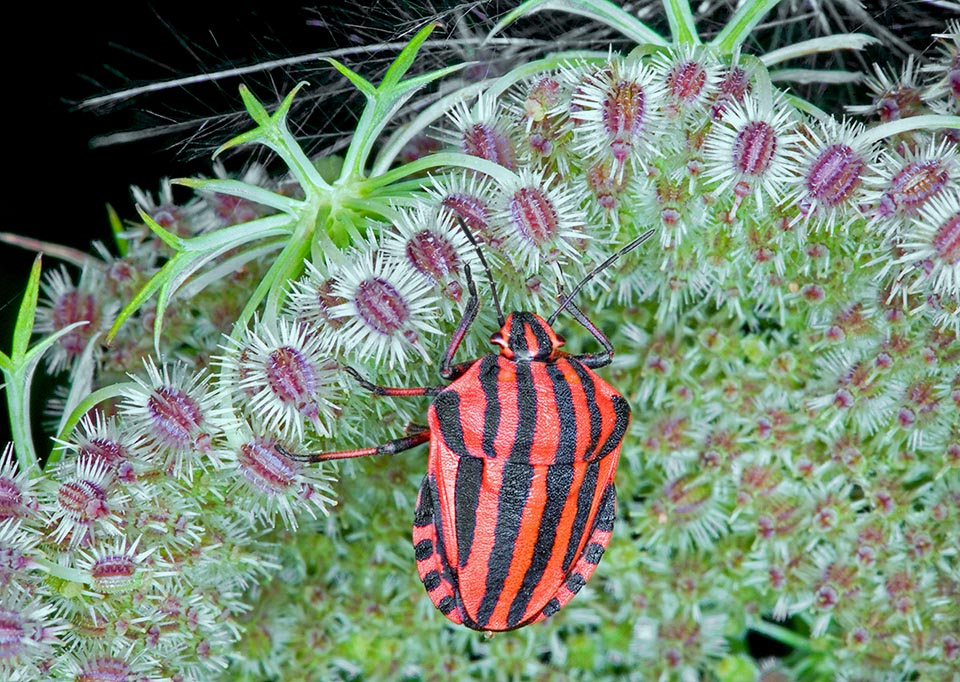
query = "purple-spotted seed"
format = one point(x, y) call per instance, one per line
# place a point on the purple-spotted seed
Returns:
point(946, 240)
point(534, 215)
point(474, 212)
point(686, 81)
point(292, 379)
point(381, 306)
point(733, 88)
point(265, 468)
point(175, 416)
point(826, 598)
point(104, 450)
point(486, 142)
point(11, 499)
point(624, 115)
point(113, 573)
point(83, 501)
point(13, 634)
point(835, 174)
point(326, 300)
point(432, 254)
point(912, 186)
point(75, 306)
point(105, 670)
point(754, 148)
point(604, 185)
point(540, 144)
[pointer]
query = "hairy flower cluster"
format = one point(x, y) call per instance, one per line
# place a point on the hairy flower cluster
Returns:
point(789, 344)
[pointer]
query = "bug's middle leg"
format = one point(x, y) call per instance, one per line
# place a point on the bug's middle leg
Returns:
point(416, 434)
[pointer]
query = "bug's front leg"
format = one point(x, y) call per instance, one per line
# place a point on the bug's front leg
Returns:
point(448, 370)
point(416, 434)
point(591, 360)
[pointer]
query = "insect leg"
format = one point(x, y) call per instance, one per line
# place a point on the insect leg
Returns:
point(392, 391)
point(448, 370)
point(591, 360)
point(417, 434)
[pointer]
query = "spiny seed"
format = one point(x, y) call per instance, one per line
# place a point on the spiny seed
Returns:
point(73, 306)
point(913, 186)
point(733, 88)
point(10, 499)
point(754, 147)
point(265, 468)
point(381, 306)
point(484, 141)
point(946, 240)
point(175, 416)
point(533, 215)
point(624, 111)
point(104, 450)
point(473, 211)
point(686, 81)
point(105, 670)
point(835, 174)
point(84, 501)
point(12, 634)
point(113, 574)
point(292, 378)
point(432, 254)
point(326, 300)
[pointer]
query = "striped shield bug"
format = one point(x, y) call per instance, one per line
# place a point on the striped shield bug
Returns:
point(518, 502)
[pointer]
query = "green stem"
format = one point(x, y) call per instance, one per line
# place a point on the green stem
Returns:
point(780, 634)
point(74, 575)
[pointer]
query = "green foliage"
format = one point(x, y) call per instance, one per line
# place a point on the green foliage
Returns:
point(788, 344)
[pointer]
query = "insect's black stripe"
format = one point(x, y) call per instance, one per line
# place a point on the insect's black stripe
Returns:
point(526, 414)
point(575, 582)
point(431, 497)
point(423, 549)
point(447, 406)
point(518, 334)
point(514, 491)
point(490, 382)
point(588, 488)
point(622, 410)
point(559, 480)
point(593, 553)
point(466, 501)
point(432, 581)
point(607, 511)
point(567, 450)
point(590, 397)
point(423, 514)
point(540, 334)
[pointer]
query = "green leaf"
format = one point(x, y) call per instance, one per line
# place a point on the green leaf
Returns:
point(359, 82)
point(841, 41)
point(407, 55)
point(682, 27)
point(168, 238)
point(739, 26)
point(28, 311)
point(601, 11)
point(70, 421)
point(116, 228)
point(242, 190)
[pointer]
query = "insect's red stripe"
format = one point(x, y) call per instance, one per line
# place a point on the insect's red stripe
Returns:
point(558, 482)
point(515, 485)
point(588, 490)
point(586, 403)
point(467, 494)
point(622, 421)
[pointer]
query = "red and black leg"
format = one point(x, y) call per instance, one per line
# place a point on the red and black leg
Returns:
point(448, 370)
point(591, 360)
point(416, 434)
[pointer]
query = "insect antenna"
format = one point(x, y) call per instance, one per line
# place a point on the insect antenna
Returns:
point(486, 267)
point(596, 271)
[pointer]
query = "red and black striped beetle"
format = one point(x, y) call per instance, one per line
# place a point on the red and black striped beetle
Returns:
point(518, 502)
